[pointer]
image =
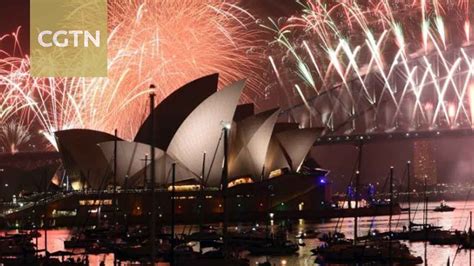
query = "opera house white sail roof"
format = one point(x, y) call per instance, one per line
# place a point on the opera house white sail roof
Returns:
point(288, 149)
point(189, 123)
point(133, 159)
point(202, 130)
point(174, 109)
point(249, 144)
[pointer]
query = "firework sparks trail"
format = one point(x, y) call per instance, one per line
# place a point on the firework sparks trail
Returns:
point(13, 135)
point(390, 57)
point(167, 43)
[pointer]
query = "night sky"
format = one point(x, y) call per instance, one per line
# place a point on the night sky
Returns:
point(13, 14)
point(455, 157)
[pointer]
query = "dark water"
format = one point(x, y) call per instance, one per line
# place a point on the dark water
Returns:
point(55, 243)
point(437, 255)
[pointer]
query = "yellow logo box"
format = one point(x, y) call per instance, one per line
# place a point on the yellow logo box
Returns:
point(68, 38)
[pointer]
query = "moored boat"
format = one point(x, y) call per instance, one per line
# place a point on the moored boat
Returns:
point(443, 207)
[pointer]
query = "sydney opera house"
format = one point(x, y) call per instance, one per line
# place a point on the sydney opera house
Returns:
point(209, 140)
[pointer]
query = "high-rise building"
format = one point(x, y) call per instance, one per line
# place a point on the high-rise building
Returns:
point(424, 163)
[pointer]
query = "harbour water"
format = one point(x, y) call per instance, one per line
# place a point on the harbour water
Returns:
point(435, 254)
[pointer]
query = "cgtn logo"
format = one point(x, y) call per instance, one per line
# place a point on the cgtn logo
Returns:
point(71, 38)
point(68, 38)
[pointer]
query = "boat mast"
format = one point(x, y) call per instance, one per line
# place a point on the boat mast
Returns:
point(152, 168)
point(409, 195)
point(425, 222)
point(201, 191)
point(144, 174)
point(225, 130)
point(45, 220)
point(390, 217)
point(173, 199)
point(357, 176)
point(201, 196)
point(115, 179)
point(45, 234)
point(425, 206)
point(469, 237)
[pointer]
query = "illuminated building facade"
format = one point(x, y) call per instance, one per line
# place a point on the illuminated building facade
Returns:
point(424, 163)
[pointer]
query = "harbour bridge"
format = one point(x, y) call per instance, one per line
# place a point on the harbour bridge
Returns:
point(420, 96)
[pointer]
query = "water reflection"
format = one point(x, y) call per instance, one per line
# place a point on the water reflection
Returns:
point(55, 242)
point(437, 255)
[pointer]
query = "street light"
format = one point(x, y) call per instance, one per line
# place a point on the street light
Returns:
point(226, 125)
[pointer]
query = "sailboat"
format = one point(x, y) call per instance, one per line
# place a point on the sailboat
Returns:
point(379, 250)
point(425, 231)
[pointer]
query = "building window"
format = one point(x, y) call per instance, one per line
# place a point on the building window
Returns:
point(64, 213)
point(95, 202)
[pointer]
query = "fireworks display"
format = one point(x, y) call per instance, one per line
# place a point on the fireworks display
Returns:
point(376, 65)
point(348, 66)
point(166, 43)
point(13, 135)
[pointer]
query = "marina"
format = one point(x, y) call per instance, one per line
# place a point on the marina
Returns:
point(437, 254)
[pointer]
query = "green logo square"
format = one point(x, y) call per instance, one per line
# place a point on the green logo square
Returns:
point(68, 38)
